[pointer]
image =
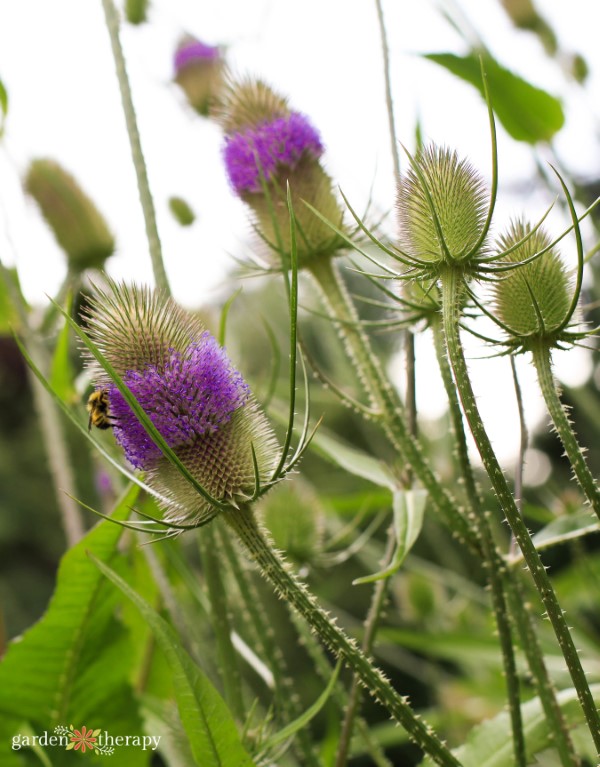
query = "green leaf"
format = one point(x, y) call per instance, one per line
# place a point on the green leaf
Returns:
point(61, 372)
point(490, 744)
point(527, 113)
point(409, 510)
point(302, 721)
point(566, 528)
point(354, 461)
point(73, 665)
point(9, 291)
point(3, 106)
point(208, 723)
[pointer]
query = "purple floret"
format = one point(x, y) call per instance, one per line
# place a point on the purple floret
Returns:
point(193, 394)
point(262, 150)
point(193, 51)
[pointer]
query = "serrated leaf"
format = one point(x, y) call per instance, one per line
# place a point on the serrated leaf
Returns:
point(73, 665)
point(527, 113)
point(409, 511)
point(208, 723)
point(354, 461)
point(490, 744)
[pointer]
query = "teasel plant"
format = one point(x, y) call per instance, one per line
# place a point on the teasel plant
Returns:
point(256, 175)
point(185, 417)
point(445, 218)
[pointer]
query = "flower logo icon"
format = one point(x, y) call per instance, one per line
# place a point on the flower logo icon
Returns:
point(83, 739)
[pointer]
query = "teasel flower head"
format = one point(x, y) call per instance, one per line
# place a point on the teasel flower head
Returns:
point(442, 212)
point(187, 386)
point(199, 72)
point(78, 226)
point(534, 302)
point(267, 146)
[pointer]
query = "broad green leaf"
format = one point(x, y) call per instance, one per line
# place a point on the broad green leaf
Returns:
point(527, 113)
point(409, 510)
point(490, 744)
point(208, 723)
point(354, 461)
point(72, 667)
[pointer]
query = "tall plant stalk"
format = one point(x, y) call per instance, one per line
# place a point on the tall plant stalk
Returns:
point(243, 522)
point(562, 424)
point(146, 200)
point(452, 287)
point(386, 404)
point(508, 598)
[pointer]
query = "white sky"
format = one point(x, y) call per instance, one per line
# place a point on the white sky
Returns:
point(56, 64)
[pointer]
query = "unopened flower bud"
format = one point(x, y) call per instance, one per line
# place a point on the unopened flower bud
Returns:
point(533, 299)
point(267, 146)
point(136, 11)
point(199, 72)
point(191, 392)
point(181, 210)
point(79, 228)
point(439, 182)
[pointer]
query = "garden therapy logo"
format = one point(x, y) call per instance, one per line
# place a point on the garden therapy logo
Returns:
point(85, 739)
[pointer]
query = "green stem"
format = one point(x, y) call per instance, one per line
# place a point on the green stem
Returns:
point(285, 695)
point(244, 524)
point(541, 360)
point(384, 400)
point(154, 246)
point(493, 562)
point(451, 293)
point(371, 623)
point(228, 660)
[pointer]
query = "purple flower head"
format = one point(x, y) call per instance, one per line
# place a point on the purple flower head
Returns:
point(188, 397)
point(262, 150)
point(192, 51)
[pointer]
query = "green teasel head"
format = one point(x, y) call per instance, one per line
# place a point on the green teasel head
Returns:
point(533, 302)
point(442, 207)
point(268, 147)
point(191, 392)
point(78, 226)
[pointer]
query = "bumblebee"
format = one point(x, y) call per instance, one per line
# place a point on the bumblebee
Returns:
point(97, 407)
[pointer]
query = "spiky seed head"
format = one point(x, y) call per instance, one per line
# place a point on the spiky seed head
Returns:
point(78, 226)
point(533, 299)
point(247, 103)
point(199, 72)
point(191, 392)
point(439, 181)
point(268, 145)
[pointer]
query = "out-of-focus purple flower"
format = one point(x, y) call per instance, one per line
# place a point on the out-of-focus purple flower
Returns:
point(199, 72)
point(192, 51)
point(264, 149)
point(193, 394)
